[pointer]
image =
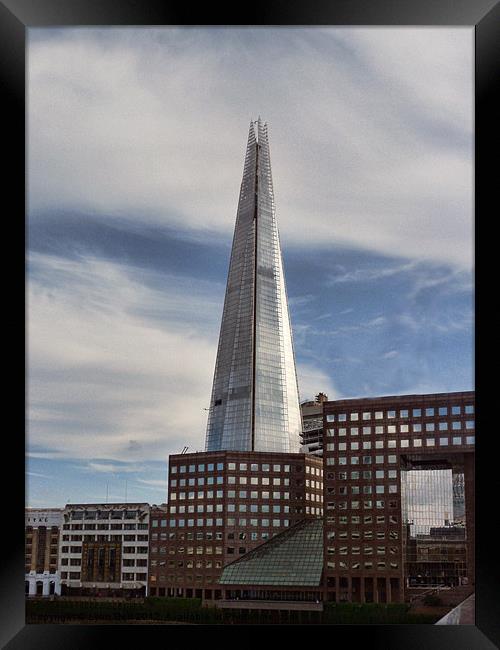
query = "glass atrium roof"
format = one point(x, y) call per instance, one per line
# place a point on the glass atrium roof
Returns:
point(292, 558)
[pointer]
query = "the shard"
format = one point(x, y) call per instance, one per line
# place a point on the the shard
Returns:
point(255, 400)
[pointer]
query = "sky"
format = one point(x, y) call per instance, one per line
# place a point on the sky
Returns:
point(136, 142)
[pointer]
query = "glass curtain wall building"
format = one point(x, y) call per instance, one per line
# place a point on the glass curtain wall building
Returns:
point(255, 400)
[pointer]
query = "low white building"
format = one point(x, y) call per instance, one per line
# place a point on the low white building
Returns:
point(104, 548)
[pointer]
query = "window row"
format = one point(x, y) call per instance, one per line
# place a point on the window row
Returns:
point(242, 467)
point(365, 550)
point(381, 566)
point(356, 534)
point(356, 505)
point(189, 564)
point(403, 413)
point(230, 494)
point(363, 489)
point(402, 443)
point(356, 519)
point(416, 427)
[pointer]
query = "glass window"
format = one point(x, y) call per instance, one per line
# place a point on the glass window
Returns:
point(254, 467)
point(354, 445)
point(367, 444)
point(455, 410)
point(391, 444)
point(417, 413)
point(391, 459)
point(403, 413)
point(367, 416)
point(417, 442)
point(430, 442)
point(469, 440)
point(404, 443)
point(469, 409)
point(379, 460)
point(330, 417)
point(220, 466)
point(391, 414)
point(391, 428)
point(276, 468)
point(469, 424)
point(417, 428)
point(457, 440)
point(354, 460)
point(379, 444)
point(429, 426)
point(210, 467)
point(367, 431)
point(456, 425)
point(443, 410)
point(243, 467)
point(342, 417)
point(429, 412)
point(354, 416)
point(265, 467)
point(443, 426)
point(231, 466)
point(342, 431)
point(443, 442)
point(173, 469)
point(367, 460)
point(379, 429)
point(403, 428)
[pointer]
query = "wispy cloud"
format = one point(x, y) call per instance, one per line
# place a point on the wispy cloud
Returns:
point(128, 121)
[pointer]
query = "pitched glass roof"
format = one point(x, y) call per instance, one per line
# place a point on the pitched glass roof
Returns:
point(292, 558)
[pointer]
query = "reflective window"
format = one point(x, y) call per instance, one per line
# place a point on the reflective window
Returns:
point(330, 417)
point(469, 409)
point(417, 427)
point(391, 414)
point(443, 426)
point(429, 426)
point(457, 440)
point(403, 413)
point(469, 424)
point(354, 431)
point(429, 412)
point(469, 440)
point(379, 415)
point(455, 410)
point(443, 442)
point(456, 425)
point(367, 416)
point(417, 413)
point(430, 442)
point(354, 416)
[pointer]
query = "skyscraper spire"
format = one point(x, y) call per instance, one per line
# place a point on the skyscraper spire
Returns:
point(255, 401)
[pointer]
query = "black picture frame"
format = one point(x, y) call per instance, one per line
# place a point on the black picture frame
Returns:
point(16, 16)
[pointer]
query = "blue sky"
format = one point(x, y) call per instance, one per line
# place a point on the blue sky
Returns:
point(136, 140)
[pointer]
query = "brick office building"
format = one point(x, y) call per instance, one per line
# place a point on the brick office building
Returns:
point(221, 505)
point(390, 480)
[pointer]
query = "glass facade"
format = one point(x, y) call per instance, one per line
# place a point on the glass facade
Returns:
point(255, 400)
point(293, 558)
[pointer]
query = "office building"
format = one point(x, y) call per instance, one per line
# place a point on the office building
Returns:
point(42, 530)
point(255, 401)
point(399, 495)
point(221, 506)
point(104, 549)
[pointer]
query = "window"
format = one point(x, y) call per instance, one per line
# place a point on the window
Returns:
point(403, 413)
point(429, 412)
point(354, 431)
point(379, 444)
point(443, 442)
point(469, 424)
point(342, 417)
point(379, 415)
point(330, 417)
point(354, 446)
point(430, 442)
point(379, 429)
point(469, 440)
point(391, 459)
point(367, 431)
point(443, 426)
point(417, 428)
point(231, 466)
point(455, 410)
point(367, 444)
point(417, 442)
point(456, 425)
point(469, 409)
point(243, 467)
point(354, 416)
point(429, 426)
point(457, 440)
point(342, 431)
point(417, 413)
point(391, 428)
point(391, 414)
point(367, 416)
point(391, 444)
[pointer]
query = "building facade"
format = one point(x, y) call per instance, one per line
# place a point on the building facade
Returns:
point(42, 531)
point(104, 549)
point(221, 505)
point(255, 400)
point(312, 425)
point(399, 495)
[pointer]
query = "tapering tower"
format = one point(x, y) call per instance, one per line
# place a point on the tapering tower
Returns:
point(255, 400)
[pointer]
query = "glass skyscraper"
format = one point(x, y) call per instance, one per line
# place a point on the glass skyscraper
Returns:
point(255, 399)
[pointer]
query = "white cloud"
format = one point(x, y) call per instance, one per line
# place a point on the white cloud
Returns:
point(371, 130)
point(122, 387)
point(312, 381)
